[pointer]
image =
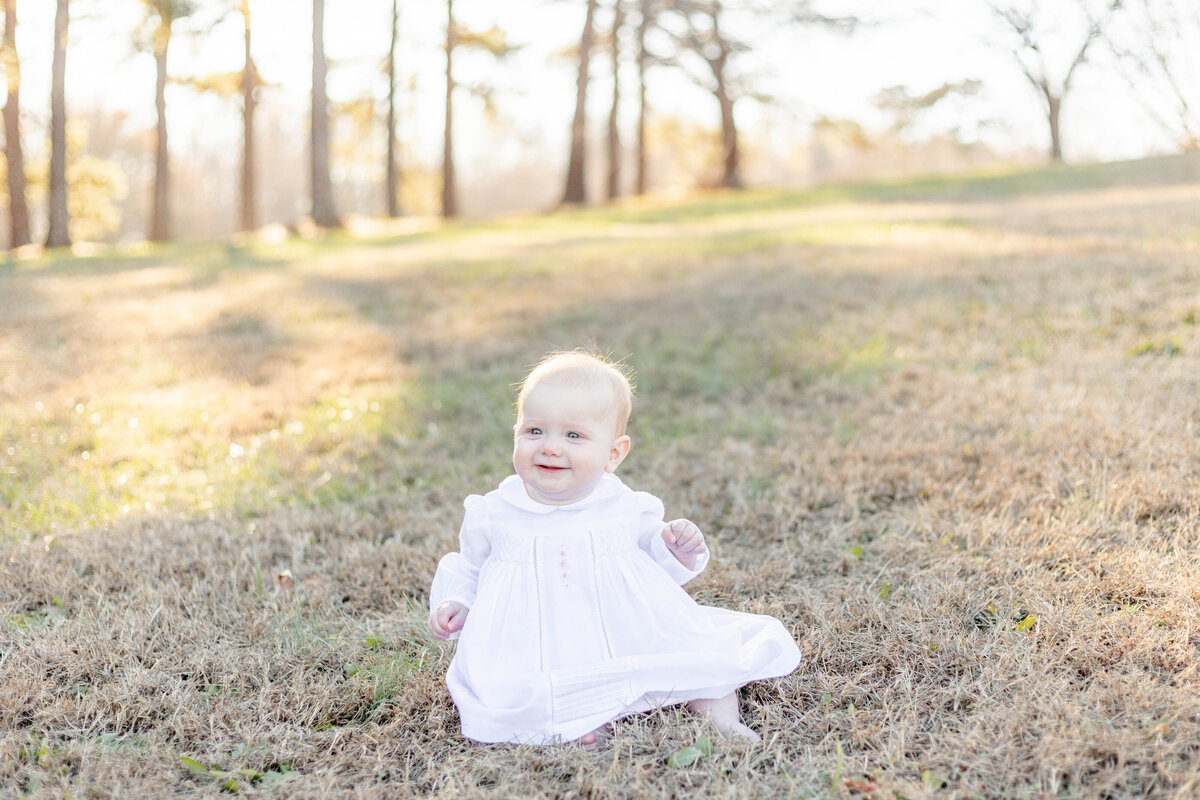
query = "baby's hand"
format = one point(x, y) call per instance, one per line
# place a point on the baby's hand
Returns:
point(446, 619)
point(685, 541)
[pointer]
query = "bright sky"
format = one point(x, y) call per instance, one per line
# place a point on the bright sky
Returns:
point(926, 43)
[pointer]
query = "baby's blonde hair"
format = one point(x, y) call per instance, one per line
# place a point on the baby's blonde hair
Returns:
point(580, 368)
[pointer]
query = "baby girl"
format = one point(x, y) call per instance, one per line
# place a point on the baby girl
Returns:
point(565, 594)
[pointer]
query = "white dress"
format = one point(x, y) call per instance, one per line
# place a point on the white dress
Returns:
point(577, 618)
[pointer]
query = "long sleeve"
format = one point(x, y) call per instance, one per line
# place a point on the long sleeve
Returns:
point(650, 525)
point(458, 573)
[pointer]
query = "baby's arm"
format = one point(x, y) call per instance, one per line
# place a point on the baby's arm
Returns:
point(446, 619)
point(677, 546)
point(456, 580)
point(685, 541)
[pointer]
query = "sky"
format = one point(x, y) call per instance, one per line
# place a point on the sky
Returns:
point(808, 72)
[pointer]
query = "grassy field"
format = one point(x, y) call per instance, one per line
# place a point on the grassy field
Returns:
point(948, 431)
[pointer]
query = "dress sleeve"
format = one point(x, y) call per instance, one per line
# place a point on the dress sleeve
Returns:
point(458, 573)
point(650, 524)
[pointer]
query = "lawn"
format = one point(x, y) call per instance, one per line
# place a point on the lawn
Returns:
point(947, 431)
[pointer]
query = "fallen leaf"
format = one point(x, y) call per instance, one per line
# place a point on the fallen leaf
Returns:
point(284, 582)
point(866, 787)
point(685, 757)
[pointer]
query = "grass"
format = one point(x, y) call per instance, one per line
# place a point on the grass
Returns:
point(945, 430)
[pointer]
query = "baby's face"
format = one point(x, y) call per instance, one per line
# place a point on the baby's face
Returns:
point(565, 440)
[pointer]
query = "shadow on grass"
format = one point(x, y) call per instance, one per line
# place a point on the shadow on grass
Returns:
point(714, 318)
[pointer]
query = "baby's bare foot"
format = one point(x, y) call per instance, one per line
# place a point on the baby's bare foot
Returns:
point(725, 716)
point(591, 741)
point(735, 730)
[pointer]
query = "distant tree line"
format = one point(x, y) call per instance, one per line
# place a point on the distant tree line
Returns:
point(692, 36)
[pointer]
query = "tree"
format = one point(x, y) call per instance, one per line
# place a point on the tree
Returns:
point(323, 211)
point(1155, 49)
point(574, 193)
point(495, 43)
point(96, 186)
point(392, 177)
point(250, 83)
point(1031, 28)
point(245, 85)
point(18, 211)
point(613, 187)
point(163, 14)
point(449, 199)
point(58, 233)
point(700, 33)
point(649, 9)
point(906, 108)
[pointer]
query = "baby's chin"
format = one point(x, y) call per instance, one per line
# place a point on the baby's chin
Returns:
point(563, 498)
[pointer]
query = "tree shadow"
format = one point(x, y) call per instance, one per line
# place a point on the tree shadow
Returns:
point(241, 346)
point(732, 322)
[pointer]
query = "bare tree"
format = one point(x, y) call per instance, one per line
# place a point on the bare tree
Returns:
point(613, 187)
point(702, 35)
point(449, 199)
point(648, 10)
point(392, 176)
point(163, 14)
point(699, 30)
point(575, 193)
point(1029, 48)
point(492, 41)
point(324, 212)
point(1154, 49)
point(58, 232)
point(250, 82)
point(160, 220)
point(906, 108)
point(18, 211)
point(243, 85)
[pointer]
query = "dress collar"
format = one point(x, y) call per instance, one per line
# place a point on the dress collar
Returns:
point(512, 491)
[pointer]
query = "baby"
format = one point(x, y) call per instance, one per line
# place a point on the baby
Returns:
point(565, 594)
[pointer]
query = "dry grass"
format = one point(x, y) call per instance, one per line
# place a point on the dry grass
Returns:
point(953, 444)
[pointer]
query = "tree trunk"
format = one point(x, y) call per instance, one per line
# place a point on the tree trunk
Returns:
point(160, 211)
point(614, 132)
point(58, 233)
point(323, 211)
point(1053, 109)
point(574, 192)
point(449, 199)
point(642, 58)
point(392, 178)
point(18, 212)
point(731, 177)
point(247, 218)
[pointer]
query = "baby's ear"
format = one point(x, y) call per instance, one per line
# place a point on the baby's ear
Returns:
point(620, 449)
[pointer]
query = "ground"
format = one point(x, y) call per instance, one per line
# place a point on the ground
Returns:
point(947, 431)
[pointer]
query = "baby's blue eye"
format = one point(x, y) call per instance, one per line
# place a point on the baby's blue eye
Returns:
point(573, 435)
point(535, 431)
